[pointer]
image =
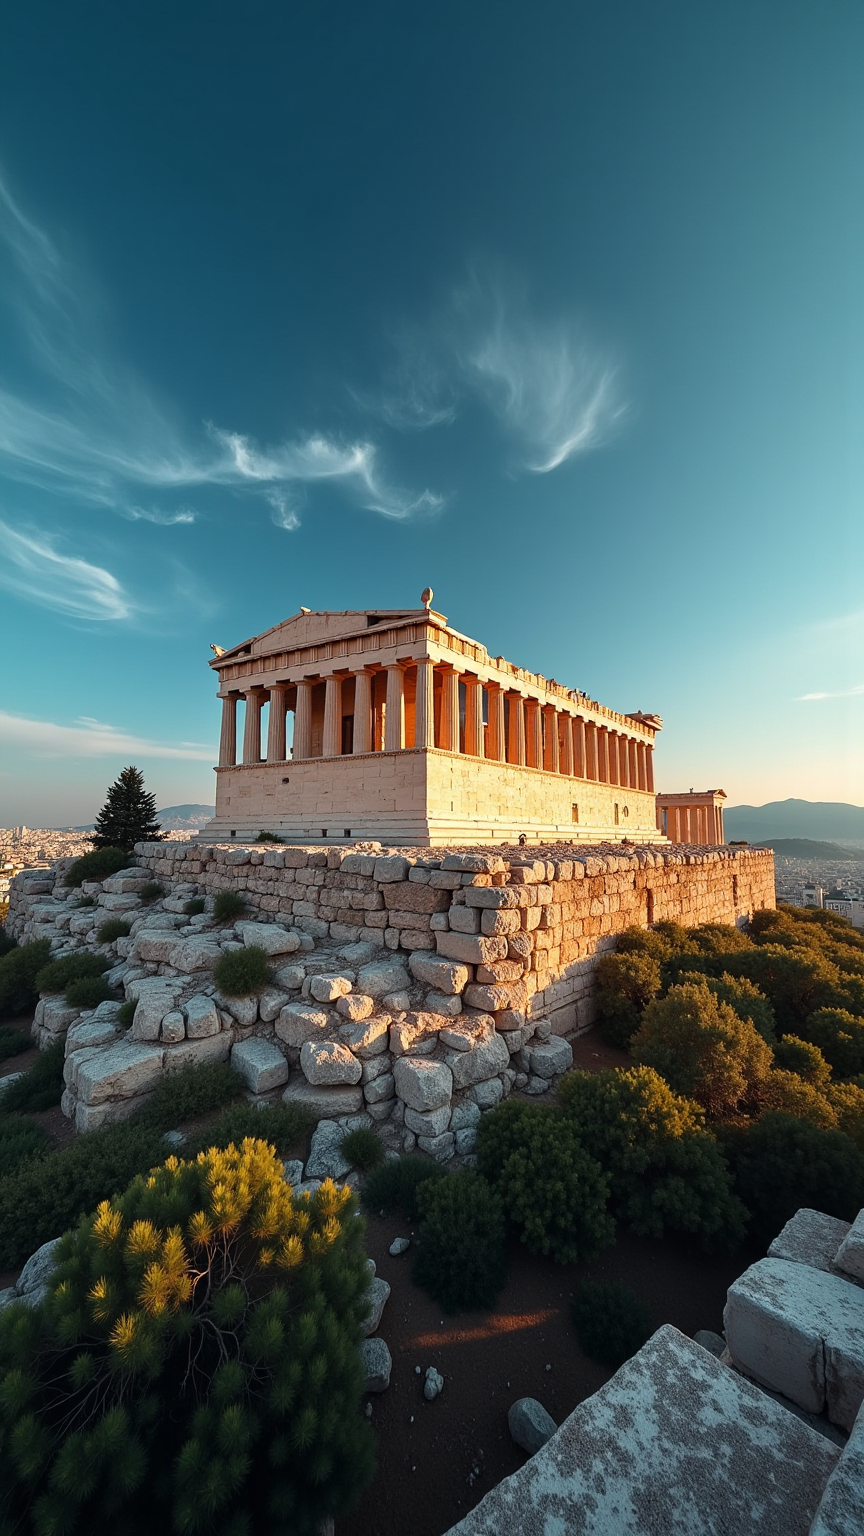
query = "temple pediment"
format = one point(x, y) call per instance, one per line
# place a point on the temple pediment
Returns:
point(317, 626)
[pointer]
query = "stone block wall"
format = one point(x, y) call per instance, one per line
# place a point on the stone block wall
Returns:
point(416, 989)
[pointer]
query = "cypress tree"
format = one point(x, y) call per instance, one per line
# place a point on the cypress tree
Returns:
point(128, 815)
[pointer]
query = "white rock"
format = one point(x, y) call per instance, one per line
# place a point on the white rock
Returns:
point(194, 955)
point(197, 1052)
point(377, 1364)
point(327, 988)
point(355, 1006)
point(243, 1010)
point(291, 977)
point(422, 1083)
point(269, 937)
point(381, 977)
point(547, 1060)
point(398, 1246)
point(325, 1062)
point(529, 1424)
point(433, 1386)
point(325, 1155)
point(380, 1089)
point(82, 1036)
point(323, 1103)
point(120, 1071)
point(173, 1028)
point(433, 1122)
point(156, 945)
point(202, 1018)
point(270, 1004)
point(368, 1037)
point(261, 1063)
point(447, 976)
point(378, 1294)
point(850, 1254)
point(297, 1024)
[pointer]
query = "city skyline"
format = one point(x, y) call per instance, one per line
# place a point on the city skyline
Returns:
point(559, 318)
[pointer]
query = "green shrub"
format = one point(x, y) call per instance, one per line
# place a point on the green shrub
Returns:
point(719, 938)
point(503, 1130)
point(20, 1142)
point(243, 972)
point(782, 1163)
point(555, 1194)
point(97, 865)
point(85, 901)
point(150, 892)
point(362, 1149)
point(18, 972)
point(790, 1094)
point(795, 982)
point(702, 1048)
point(194, 1090)
point(840, 1038)
point(227, 905)
point(742, 996)
point(113, 928)
point(89, 992)
point(13, 1042)
point(126, 1013)
point(667, 1171)
point(392, 1188)
point(806, 1060)
point(56, 976)
point(207, 1273)
point(847, 1102)
point(195, 906)
point(6, 940)
point(40, 1087)
point(611, 1321)
point(269, 837)
point(461, 1258)
point(283, 1126)
point(626, 983)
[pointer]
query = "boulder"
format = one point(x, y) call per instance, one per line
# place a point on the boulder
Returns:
point(269, 937)
point(432, 1122)
point(355, 1006)
point(440, 1003)
point(390, 868)
point(325, 1159)
point(381, 977)
point(850, 1254)
point(323, 1103)
point(467, 1033)
point(380, 1090)
point(440, 1147)
point(156, 944)
point(423, 1084)
point(810, 1237)
point(483, 1061)
point(399, 1246)
point(550, 1058)
point(326, 988)
point(296, 1024)
point(243, 1010)
point(293, 1171)
point(173, 1028)
point(367, 1038)
point(471, 949)
point(377, 1364)
point(270, 1004)
point(325, 1062)
point(83, 1036)
point(202, 1017)
point(529, 1424)
point(463, 1115)
point(433, 1386)
point(291, 977)
point(194, 955)
point(32, 1283)
point(447, 976)
point(121, 1071)
point(261, 1064)
point(378, 1294)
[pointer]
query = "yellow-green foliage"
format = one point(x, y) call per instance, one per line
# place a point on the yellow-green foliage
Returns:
point(789, 1094)
point(196, 1367)
point(702, 1048)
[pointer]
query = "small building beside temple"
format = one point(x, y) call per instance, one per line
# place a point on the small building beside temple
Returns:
point(390, 725)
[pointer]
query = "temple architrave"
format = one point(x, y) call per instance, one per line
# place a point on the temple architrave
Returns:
point(405, 731)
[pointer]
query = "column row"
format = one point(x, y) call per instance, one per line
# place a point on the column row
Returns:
point(452, 711)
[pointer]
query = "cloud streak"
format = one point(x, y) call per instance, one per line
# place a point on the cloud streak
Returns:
point(840, 693)
point(94, 433)
point(91, 738)
point(31, 567)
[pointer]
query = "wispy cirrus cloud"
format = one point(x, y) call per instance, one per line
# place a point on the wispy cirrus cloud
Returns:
point(555, 393)
point(31, 567)
point(839, 693)
point(86, 737)
point(91, 430)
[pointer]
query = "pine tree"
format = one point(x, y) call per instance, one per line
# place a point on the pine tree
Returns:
point(128, 815)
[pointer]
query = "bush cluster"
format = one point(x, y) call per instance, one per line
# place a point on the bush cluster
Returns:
point(194, 906)
point(196, 1366)
point(393, 1187)
point(612, 1323)
point(243, 972)
point(461, 1259)
point(39, 1088)
point(113, 928)
point(57, 975)
point(13, 1041)
point(228, 905)
point(97, 865)
point(89, 992)
point(19, 969)
point(362, 1149)
point(150, 892)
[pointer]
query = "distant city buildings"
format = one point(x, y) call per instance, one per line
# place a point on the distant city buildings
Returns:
point(836, 887)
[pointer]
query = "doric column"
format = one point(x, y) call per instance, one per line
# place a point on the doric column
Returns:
point(603, 754)
point(721, 835)
point(551, 755)
point(612, 740)
point(303, 720)
point(495, 728)
point(276, 725)
point(649, 769)
point(516, 741)
point(533, 733)
point(449, 709)
point(640, 764)
point(424, 708)
point(362, 712)
point(331, 745)
point(394, 718)
point(474, 743)
point(580, 760)
point(633, 763)
point(252, 727)
point(228, 734)
point(566, 750)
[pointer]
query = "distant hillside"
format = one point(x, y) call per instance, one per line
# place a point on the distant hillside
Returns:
point(818, 820)
point(807, 848)
point(179, 818)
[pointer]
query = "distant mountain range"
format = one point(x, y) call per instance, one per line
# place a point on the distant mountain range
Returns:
point(175, 818)
point(808, 848)
point(821, 820)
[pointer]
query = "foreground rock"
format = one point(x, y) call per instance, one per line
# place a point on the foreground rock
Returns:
point(530, 1425)
point(377, 1364)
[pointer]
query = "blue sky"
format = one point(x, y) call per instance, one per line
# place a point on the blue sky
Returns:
point(555, 308)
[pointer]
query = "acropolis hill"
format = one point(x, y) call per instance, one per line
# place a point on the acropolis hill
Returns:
point(407, 732)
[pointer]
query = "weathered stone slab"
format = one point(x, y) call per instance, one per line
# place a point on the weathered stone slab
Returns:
point(381, 977)
point(423, 1084)
point(261, 1063)
point(447, 976)
point(197, 1052)
point(194, 955)
point(367, 1038)
point(483, 1061)
point(324, 1062)
point(323, 1103)
point(841, 1510)
point(297, 1024)
point(674, 1445)
point(800, 1332)
point(155, 945)
point(327, 987)
point(269, 937)
point(810, 1237)
point(202, 1017)
point(471, 949)
point(121, 1071)
point(550, 1057)
point(850, 1254)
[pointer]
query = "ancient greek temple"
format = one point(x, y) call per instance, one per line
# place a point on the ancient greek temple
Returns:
point(391, 725)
